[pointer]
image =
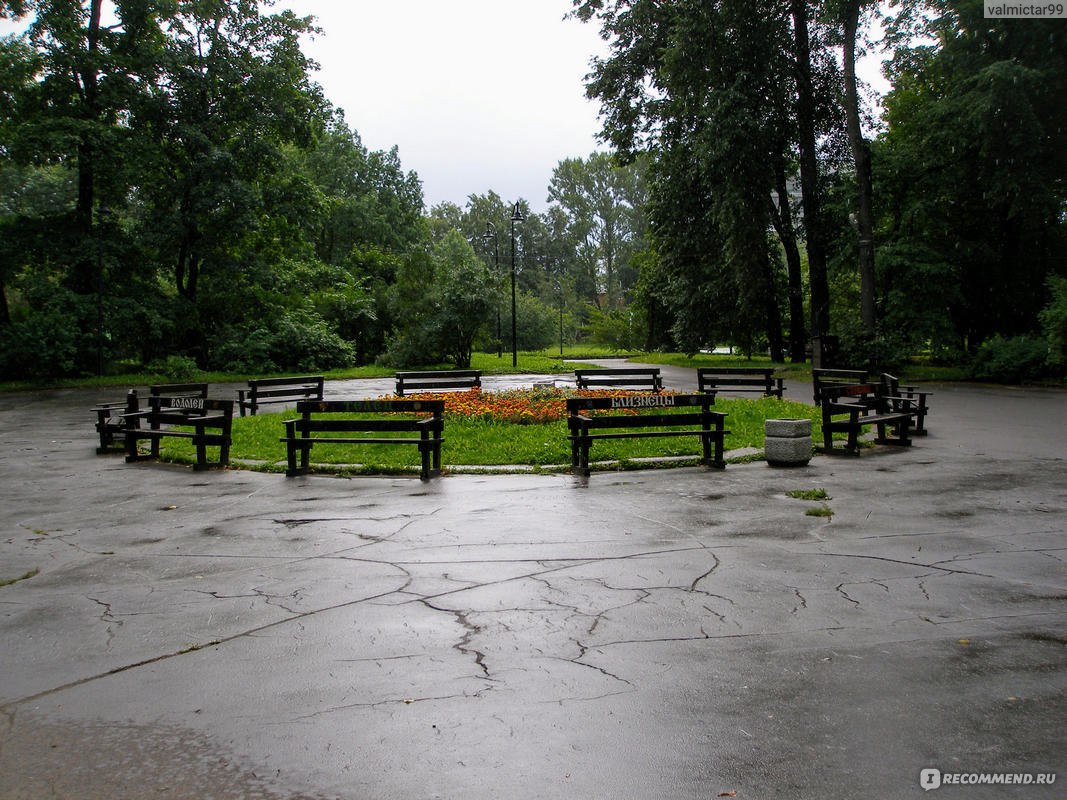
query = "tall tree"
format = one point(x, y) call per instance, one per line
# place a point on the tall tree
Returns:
point(849, 12)
point(689, 81)
point(604, 205)
point(972, 173)
point(807, 142)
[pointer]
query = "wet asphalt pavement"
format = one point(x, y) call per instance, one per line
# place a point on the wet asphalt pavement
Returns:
point(654, 634)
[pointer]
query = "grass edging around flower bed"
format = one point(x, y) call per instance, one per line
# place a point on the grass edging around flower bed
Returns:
point(518, 431)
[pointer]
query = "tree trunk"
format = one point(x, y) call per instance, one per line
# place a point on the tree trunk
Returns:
point(5, 312)
point(809, 173)
point(861, 155)
point(774, 315)
point(782, 216)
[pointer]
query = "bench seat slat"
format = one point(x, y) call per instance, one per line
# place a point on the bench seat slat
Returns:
point(642, 420)
point(642, 434)
point(343, 425)
point(310, 440)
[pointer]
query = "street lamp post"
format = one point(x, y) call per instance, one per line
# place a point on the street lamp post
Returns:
point(490, 233)
point(516, 216)
point(559, 290)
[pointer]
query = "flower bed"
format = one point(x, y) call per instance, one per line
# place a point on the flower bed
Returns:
point(516, 406)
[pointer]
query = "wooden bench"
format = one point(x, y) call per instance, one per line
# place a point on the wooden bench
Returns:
point(640, 378)
point(211, 421)
point(821, 378)
point(301, 433)
point(586, 427)
point(448, 380)
point(263, 391)
point(739, 379)
point(907, 399)
point(860, 405)
point(110, 419)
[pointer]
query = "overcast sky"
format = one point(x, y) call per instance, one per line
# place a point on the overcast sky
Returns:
point(478, 95)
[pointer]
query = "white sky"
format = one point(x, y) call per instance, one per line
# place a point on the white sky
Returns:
point(478, 95)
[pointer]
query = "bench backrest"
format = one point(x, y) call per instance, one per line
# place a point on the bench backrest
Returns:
point(178, 390)
point(710, 378)
point(622, 377)
point(576, 405)
point(442, 379)
point(822, 378)
point(187, 409)
point(280, 390)
point(310, 385)
point(370, 406)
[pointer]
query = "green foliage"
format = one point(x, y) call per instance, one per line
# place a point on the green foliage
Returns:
point(603, 203)
point(1054, 324)
point(971, 172)
point(1016, 359)
point(622, 329)
point(808, 494)
point(176, 369)
point(536, 323)
point(51, 334)
point(440, 305)
point(885, 350)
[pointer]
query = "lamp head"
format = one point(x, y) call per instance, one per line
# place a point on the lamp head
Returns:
point(516, 214)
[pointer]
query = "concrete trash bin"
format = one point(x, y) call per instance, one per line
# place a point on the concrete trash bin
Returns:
point(787, 442)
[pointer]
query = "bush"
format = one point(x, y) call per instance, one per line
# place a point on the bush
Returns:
point(882, 351)
point(244, 351)
point(1054, 324)
point(1010, 360)
point(619, 329)
point(305, 342)
point(179, 369)
point(296, 340)
point(52, 335)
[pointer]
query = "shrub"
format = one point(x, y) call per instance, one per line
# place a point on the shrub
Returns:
point(175, 368)
point(304, 341)
point(1054, 324)
point(618, 329)
point(1017, 359)
point(883, 350)
point(53, 333)
point(243, 350)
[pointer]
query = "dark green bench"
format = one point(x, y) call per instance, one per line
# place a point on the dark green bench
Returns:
point(848, 408)
point(110, 417)
point(322, 423)
point(645, 379)
point(739, 379)
point(264, 391)
point(588, 424)
point(211, 422)
point(449, 380)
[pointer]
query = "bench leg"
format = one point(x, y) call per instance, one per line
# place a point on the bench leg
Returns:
point(425, 455)
point(584, 444)
point(291, 457)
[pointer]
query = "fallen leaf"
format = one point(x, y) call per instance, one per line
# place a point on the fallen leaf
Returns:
point(965, 641)
point(727, 794)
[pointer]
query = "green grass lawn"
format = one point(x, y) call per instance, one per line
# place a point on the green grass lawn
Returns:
point(483, 442)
